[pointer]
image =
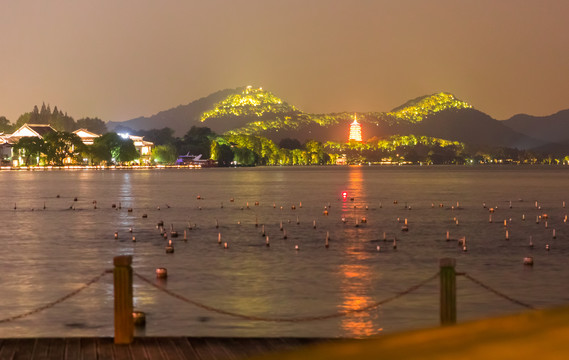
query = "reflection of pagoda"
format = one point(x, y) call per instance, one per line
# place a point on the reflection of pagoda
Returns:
point(355, 130)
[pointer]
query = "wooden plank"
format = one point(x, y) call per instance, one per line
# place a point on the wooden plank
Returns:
point(243, 347)
point(122, 352)
point(186, 348)
point(202, 348)
point(56, 349)
point(8, 349)
point(41, 349)
point(105, 348)
point(89, 349)
point(170, 349)
point(137, 349)
point(72, 348)
point(152, 347)
point(25, 348)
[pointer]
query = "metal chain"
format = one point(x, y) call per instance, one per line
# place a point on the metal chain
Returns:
point(480, 283)
point(277, 319)
point(58, 301)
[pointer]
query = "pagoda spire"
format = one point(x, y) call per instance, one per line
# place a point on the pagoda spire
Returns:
point(355, 130)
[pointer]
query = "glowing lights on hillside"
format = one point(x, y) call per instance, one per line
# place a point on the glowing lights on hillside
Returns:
point(428, 105)
point(251, 102)
point(355, 131)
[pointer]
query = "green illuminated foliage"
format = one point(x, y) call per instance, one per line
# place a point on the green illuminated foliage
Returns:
point(251, 102)
point(415, 110)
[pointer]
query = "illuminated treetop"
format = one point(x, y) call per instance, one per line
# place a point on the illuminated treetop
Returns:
point(415, 110)
point(251, 102)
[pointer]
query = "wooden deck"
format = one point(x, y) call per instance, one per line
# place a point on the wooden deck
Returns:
point(151, 348)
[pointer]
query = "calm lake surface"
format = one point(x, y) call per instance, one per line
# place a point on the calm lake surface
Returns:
point(47, 253)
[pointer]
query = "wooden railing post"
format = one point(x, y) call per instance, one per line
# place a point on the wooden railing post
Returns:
point(448, 291)
point(124, 325)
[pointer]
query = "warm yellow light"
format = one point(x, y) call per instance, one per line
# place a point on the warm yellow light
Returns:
point(355, 131)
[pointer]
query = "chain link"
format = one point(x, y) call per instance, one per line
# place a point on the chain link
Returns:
point(58, 301)
point(277, 319)
point(480, 283)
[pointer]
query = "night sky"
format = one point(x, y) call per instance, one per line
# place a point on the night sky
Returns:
point(121, 59)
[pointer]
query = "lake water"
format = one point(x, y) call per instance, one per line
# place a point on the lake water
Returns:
point(47, 253)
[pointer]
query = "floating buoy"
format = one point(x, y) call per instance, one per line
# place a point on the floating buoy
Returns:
point(256, 222)
point(247, 204)
point(505, 223)
point(130, 210)
point(267, 241)
point(547, 247)
point(314, 224)
point(394, 243)
point(528, 260)
point(448, 235)
point(364, 220)
point(274, 206)
point(263, 230)
point(554, 234)
point(297, 221)
point(296, 247)
point(293, 207)
point(185, 235)
point(281, 226)
point(378, 248)
point(325, 212)
point(491, 210)
point(530, 242)
point(343, 219)
point(116, 234)
point(327, 244)
point(284, 234)
point(537, 219)
point(546, 225)
point(139, 318)
point(231, 200)
point(144, 216)
point(384, 236)
point(161, 273)
point(536, 205)
point(198, 197)
point(225, 245)
point(170, 247)
point(216, 224)
point(507, 235)
point(300, 204)
point(219, 238)
point(256, 203)
point(133, 238)
point(44, 205)
point(523, 217)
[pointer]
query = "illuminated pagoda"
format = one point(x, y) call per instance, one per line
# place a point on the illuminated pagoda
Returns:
point(355, 130)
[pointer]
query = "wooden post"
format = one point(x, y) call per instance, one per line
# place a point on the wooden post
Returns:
point(448, 291)
point(124, 325)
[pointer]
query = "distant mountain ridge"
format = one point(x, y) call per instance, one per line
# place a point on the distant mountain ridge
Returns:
point(254, 111)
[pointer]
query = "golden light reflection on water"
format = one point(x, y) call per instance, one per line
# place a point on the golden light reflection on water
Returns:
point(356, 276)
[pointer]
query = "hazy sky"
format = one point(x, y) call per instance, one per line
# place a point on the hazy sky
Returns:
point(119, 59)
